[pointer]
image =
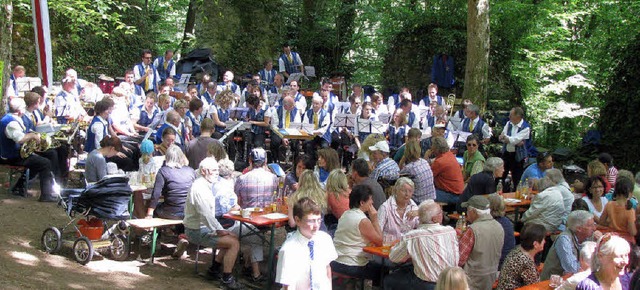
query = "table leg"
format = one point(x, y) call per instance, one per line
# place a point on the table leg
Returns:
point(271, 254)
point(154, 238)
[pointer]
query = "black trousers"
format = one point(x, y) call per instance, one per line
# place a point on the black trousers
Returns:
point(37, 165)
point(515, 167)
point(311, 147)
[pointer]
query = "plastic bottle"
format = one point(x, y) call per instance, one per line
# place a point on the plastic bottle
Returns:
point(461, 224)
point(499, 188)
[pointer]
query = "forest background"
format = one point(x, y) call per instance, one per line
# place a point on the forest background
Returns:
point(574, 66)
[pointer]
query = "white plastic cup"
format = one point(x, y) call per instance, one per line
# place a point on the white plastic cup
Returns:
point(246, 213)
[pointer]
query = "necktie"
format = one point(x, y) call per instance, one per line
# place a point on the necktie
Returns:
point(33, 119)
point(315, 121)
point(310, 244)
point(471, 126)
point(290, 58)
point(147, 81)
point(286, 119)
point(166, 63)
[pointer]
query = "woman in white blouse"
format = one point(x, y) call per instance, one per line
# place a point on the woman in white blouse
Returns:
point(399, 214)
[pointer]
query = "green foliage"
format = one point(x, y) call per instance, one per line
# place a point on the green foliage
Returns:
point(622, 105)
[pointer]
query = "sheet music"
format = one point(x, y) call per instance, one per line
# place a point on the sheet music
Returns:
point(451, 138)
point(364, 125)
point(273, 98)
point(308, 128)
point(25, 84)
point(184, 78)
point(292, 131)
point(384, 118)
point(295, 125)
point(344, 120)
point(378, 127)
point(310, 71)
point(424, 111)
point(238, 113)
point(294, 77)
point(462, 136)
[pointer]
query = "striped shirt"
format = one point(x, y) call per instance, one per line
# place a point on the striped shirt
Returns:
point(255, 188)
point(391, 223)
point(432, 248)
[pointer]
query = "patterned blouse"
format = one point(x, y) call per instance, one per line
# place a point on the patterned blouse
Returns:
point(517, 270)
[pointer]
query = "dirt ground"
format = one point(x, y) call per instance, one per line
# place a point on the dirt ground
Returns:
point(24, 265)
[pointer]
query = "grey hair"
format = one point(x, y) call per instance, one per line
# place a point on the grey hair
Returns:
point(614, 245)
point(474, 108)
point(555, 175)
point(625, 173)
point(578, 218)
point(545, 183)
point(496, 205)
point(440, 145)
point(587, 251)
point(207, 164)
point(400, 182)
point(492, 164)
point(175, 157)
point(16, 105)
point(226, 167)
point(427, 210)
point(480, 211)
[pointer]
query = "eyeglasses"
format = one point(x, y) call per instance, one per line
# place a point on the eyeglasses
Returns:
point(146, 57)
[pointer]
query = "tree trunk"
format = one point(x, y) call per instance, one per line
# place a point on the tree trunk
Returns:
point(476, 72)
point(6, 32)
point(189, 26)
point(344, 31)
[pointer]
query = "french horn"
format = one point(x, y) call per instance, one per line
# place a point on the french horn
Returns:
point(43, 143)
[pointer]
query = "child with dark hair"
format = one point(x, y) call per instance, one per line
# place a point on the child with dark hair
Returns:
point(619, 214)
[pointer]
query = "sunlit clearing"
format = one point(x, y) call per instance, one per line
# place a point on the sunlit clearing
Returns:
point(24, 258)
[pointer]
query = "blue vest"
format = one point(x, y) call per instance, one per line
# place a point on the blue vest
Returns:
point(292, 115)
point(28, 124)
point(164, 74)
point(12, 79)
point(234, 87)
point(522, 152)
point(257, 116)
point(208, 98)
point(396, 136)
point(267, 77)
point(138, 90)
point(321, 115)
point(427, 101)
point(223, 116)
point(90, 143)
point(140, 68)
point(9, 149)
point(412, 118)
point(60, 116)
point(195, 127)
point(288, 66)
point(476, 130)
point(158, 139)
point(145, 119)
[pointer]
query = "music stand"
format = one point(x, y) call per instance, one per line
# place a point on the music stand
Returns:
point(344, 120)
point(377, 127)
point(294, 77)
point(238, 113)
point(384, 118)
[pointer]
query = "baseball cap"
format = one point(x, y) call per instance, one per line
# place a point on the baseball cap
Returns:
point(380, 146)
point(477, 202)
point(258, 155)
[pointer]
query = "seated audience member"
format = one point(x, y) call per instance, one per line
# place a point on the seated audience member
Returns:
point(608, 265)
point(217, 151)
point(328, 160)
point(310, 188)
point(452, 278)
point(202, 227)
point(555, 175)
point(483, 182)
point(255, 188)
point(481, 244)
point(619, 214)
point(595, 196)
point(399, 214)
point(371, 140)
point(447, 175)
point(636, 188)
point(168, 139)
point(546, 208)
point(304, 258)
point(612, 171)
point(355, 231)
point(337, 197)
point(431, 247)
point(414, 135)
point(579, 204)
point(596, 168)
point(360, 172)
point(148, 166)
point(196, 149)
point(473, 161)
point(420, 171)
point(562, 257)
point(173, 181)
point(302, 162)
point(586, 257)
point(384, 166)
point(96, 163)
point(497, 206)
point(519, 268)
point(537, 170)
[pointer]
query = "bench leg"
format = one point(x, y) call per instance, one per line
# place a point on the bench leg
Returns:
point(154, 238)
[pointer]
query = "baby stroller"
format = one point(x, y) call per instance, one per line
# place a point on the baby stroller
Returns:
point(107, 200)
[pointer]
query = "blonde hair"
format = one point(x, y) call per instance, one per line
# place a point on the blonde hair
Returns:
point(452, 278)
point(309, 187)
point(225, 98)
point(371, 140)
point(337, 183)
point(596, 168)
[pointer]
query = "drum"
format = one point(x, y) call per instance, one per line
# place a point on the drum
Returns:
point(106, 84)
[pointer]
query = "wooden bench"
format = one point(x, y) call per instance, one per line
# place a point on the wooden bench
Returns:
point(152, 224)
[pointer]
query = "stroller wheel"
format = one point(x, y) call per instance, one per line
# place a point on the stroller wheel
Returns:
point(119, 248)
point(83, 250)
point(51, 240)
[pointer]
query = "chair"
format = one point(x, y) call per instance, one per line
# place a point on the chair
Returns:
point(343, 280)
point(15, 169)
